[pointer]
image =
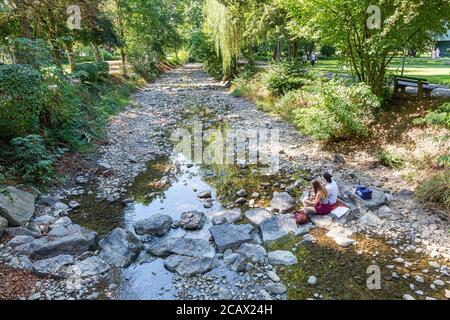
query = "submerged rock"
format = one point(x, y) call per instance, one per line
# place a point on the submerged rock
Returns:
point(120, 247)
point(158, 224)
point(16, 206)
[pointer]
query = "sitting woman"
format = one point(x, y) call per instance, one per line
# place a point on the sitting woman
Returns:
point(320, 204)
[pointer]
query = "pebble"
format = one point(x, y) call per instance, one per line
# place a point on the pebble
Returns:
point(312, 280)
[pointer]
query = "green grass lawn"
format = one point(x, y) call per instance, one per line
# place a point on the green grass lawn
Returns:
point(435, 71)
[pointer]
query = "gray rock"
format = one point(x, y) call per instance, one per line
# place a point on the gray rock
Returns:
point(227, 216)
point(22, 231)
point(188, 266)
point(255, 252)
point(312, 280)
point(120, 247)
point(275, 288)
point(3, 225)
point(282, 202)
point(231, 236)
point(282, 257)
point(240, 200)
point(224, 294)
point(44, 220)
point(241, 193)
point(16, 206)
point(235, 262)
point(341, 236)
point(408, 297)
point(323, 222)
point(52, 266)
point(370, 219)
point(74, 244)
point(19, 240)
point(273, 276)
point(265, 295)
point(192, 220)
point(182, 246)
point(204, 194)
point(91, 266)
point(258, 215)
point(158, 224)
point(280, 226)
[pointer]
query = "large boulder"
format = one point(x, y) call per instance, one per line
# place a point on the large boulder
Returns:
point(348, 194)
point(182, 246)
point(16, 206)
point(192, 220)
point(227, 216)
point(282, 202)
point(120, 247)
point(281, 257)
point(76, 243)
point(3, 225)
point(188, 266)
point(255, 252)
point(158, 224)
point(52, 266)
point(258, 215)
point(231, 236)
point(280, 226)
point(235, 262)
point(90, 266)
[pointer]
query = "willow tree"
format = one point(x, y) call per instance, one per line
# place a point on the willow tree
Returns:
point(224, 24)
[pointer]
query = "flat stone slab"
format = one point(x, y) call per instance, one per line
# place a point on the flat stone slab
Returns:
point(16, 206)
point(231, 236)
point(282, 202)
point(182, 246)
point(258, 215)
point(188, 266)
point(280, 226)
point(323, 222)
point(52, 266)
point(91, 266)
point(227, 216)
point(341, 236)
point(282, 257)
point(370, 219)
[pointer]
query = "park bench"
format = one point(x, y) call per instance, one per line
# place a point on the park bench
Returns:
point(422, 85)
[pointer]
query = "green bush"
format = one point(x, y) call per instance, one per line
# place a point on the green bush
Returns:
point(327, 51)
point(103, 69)
point(32, 159)
point(282, 78)
point(88, 71)
point(337, 110)
point(21, 100)
point(389, 159)
point(440, 117)
point(202, 49)
point(436, 189)
point(32, 52)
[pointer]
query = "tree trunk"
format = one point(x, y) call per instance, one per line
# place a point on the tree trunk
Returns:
point(403, 62)
point(71, 56)
point(57, 55)
point(124, 60)
point(97, 54)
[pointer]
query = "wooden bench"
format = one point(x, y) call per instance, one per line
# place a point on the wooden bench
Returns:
point(422, 85)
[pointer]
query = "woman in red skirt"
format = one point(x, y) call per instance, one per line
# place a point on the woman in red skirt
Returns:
point(320, 203)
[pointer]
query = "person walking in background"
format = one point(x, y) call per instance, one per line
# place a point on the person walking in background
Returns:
point(313, 58)
point(305, 58)
point(438, 53)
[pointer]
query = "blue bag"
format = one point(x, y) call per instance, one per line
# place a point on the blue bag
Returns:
point(363, 192)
